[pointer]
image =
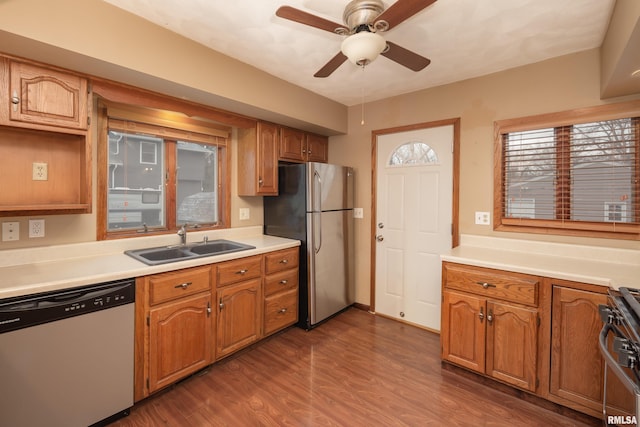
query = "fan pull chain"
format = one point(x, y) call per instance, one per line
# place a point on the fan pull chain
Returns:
point(362, 98)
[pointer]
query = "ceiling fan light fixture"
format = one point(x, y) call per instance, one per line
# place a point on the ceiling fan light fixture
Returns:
point(363, 48)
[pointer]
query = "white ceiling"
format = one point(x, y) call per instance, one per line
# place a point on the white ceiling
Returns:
point(463, 39)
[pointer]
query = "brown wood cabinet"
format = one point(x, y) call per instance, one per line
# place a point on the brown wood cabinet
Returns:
point(44, 149)
point(258, 160)
point(35, 95)
point(300, 146)
point(239, 299)
point(577, 368)
point(280, 290)
point(487, 325)
point(180, 325)
point(184, 322)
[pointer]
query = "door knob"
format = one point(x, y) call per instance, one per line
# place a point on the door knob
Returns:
point(379, 238)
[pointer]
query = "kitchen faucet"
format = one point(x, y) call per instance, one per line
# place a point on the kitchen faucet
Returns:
point(183, 234)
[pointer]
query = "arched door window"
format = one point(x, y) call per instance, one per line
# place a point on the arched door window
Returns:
point(413, 153)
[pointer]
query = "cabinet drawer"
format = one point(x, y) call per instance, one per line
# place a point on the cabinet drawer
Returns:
point(281, 260)
point(240, 269)
point(169, 286)
point(282, 281)
point(280, 310)
point(515, 287)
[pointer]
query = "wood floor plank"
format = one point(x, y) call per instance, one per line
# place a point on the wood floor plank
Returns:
point(357, 369)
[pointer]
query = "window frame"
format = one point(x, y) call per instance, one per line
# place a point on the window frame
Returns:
point(172, 127)
point(627, 231)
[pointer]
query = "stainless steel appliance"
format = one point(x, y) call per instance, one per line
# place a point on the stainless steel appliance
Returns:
point(620, 348)
point(66, 358)
point(315, 206)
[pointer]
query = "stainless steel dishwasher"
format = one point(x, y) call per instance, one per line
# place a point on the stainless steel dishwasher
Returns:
point(66, 357)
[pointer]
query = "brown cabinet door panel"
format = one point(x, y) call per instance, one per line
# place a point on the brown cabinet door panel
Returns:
point(576, 363)
point(239, 316)
point(463, 340)
point(512, 344)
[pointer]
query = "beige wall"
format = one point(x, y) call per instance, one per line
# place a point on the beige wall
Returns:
point(558, 84)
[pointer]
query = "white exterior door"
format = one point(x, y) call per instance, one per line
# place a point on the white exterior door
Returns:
point(413, 223)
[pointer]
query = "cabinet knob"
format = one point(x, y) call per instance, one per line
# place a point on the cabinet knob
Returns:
point(284, 310)
point(242, 272)
point(283, 282)
point(481, 315)
point(284, 261)
point(221, 304)
point(183, 285)
point(15, 100)
point(490, 316)
point(486, 285)
point(260, 181)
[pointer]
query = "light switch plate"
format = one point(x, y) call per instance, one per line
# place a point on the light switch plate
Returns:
point(358, 213)
point(245, 214)
point(10, 231)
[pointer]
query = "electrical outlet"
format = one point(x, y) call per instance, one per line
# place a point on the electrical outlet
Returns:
point(358, 213)
point(10, 231)
point(36, 228)
point(483, 218)
point(40, 171)
point(245, 214)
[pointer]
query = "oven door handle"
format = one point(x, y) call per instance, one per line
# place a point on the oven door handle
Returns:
point(612, 363)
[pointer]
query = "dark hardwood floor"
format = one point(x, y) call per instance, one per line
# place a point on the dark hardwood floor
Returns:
point(357, 369)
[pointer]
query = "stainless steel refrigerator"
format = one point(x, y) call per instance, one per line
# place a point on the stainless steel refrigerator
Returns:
point(315, 206)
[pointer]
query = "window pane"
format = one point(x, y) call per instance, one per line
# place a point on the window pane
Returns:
point(197, 192)
point(530, 165)
point(413, 153)
point(603, 157)
point(135, 194)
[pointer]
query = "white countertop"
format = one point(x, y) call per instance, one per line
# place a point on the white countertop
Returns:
point(33, 270)
point(587, 264)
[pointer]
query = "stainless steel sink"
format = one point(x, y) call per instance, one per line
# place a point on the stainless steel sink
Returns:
point(167, 254)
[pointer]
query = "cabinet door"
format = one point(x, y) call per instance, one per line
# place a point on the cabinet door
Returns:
point(575, 333)
point(292, 145)
point(267, 159)
point(317, 148)
point(179, 339)
point(47, 97)
point(463, 330)
point(512, 344)
point(239, 316)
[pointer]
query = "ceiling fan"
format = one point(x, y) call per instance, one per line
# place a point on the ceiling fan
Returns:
point(363, 20)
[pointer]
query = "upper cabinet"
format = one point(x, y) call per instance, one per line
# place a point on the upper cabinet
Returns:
point(299, 146)
point(33, 95)
point(258, 160)
point(44, 150)
point(260, 148)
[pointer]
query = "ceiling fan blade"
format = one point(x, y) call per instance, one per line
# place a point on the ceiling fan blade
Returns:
point(401, 10)
point(405, 57)
point(302, 17)
point(331, 66)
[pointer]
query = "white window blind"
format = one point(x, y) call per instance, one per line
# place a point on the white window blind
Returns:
point(580, 176)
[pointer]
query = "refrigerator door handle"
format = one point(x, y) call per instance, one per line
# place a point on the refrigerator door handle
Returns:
point(317, 194)
point(317, 217)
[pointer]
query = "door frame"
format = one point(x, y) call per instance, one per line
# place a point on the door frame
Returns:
point(455, 203)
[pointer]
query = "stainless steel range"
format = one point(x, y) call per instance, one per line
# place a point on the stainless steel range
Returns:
point(620, 348)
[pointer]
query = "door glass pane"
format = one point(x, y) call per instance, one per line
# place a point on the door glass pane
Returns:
point(135, 195)
point(413, 153)
point(197, 194)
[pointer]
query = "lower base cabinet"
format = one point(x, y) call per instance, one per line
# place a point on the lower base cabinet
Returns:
point(187, 319)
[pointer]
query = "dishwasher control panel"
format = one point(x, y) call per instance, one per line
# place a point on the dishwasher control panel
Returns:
point(21, 312)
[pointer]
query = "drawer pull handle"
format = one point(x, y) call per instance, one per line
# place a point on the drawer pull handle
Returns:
point(486, 285)
point(481, 315)
point(242, 272)
point(183, 285)
point(284, 310)
point(283, 282)
point(284, 261)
